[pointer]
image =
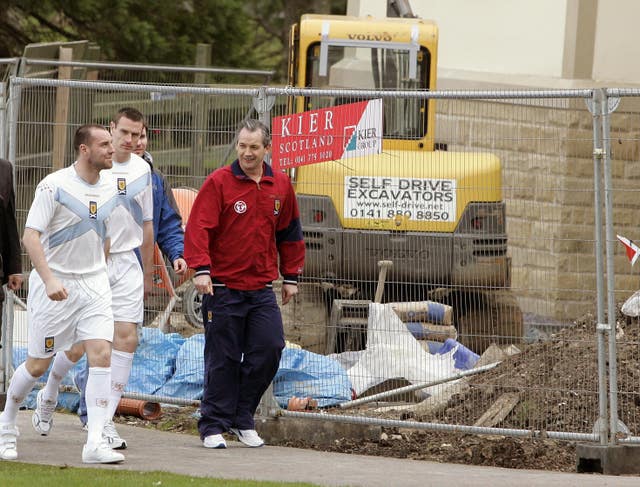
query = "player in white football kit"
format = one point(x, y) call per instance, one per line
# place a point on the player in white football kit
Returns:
point(69, 298)
point(129, 283)
point(131, 178)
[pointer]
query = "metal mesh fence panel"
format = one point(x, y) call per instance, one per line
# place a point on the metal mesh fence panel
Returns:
point(624, 123)
point(421, 264)
point(513, 269)
point(191, 133)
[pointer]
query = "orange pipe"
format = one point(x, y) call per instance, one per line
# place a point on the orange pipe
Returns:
point(141, 409)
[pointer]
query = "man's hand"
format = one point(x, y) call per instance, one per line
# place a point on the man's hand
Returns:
point(203, 284)
point(146, 252)
point(180, 266)
point(288, 291)
point(15, 281)
point(55, 290)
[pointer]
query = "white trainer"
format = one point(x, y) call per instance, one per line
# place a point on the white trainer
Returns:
point(111, 436)
point(248, 437)
point(100, 453)
point(42, 417)
point(8, 441)
point(214, 441)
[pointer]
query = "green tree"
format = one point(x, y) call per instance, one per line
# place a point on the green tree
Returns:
point(274, 19)
point(243, 34)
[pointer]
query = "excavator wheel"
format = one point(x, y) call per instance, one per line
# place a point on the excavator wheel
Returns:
point(192, 303)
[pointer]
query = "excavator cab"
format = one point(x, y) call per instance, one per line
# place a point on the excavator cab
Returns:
point(355, 53)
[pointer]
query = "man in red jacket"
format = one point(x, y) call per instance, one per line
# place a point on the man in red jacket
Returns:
point(244, 218)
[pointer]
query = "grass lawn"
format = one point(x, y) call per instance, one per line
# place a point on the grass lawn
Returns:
point(18, 474)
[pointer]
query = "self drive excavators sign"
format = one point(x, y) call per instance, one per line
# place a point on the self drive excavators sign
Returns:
point(327, 134)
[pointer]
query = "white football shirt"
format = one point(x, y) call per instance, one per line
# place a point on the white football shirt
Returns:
point(73, 218)
point(134, 206)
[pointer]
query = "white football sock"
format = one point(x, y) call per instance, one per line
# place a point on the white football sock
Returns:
point(97, 396)
point(21, 384)
point(121, 363)
point(61, 365)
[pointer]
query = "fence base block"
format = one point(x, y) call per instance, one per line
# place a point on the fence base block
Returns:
point(608, 459)
point(321, 433)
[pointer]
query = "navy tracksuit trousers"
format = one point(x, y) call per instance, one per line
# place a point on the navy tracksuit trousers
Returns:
point(244, 339)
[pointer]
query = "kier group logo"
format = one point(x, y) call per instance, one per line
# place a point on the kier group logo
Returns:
point(361, 142)
point(350, 138)
point(328, 134)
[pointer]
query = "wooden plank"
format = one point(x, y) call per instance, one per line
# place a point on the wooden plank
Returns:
point(199, 112)
point(93, 54)
point(439, 333)
point(424, 311)
point(499, 410)
point(62, 112)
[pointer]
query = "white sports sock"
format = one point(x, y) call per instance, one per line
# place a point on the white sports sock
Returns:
point(121, 363)
point(61, 365)
point(21, 384)
point(97, 396)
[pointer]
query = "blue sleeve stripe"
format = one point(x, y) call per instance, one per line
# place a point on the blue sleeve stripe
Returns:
point(293, 233)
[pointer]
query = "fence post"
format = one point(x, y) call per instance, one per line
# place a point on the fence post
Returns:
point(4, 376)
point(6, 321)
point(263, 104)
point(3, 120)
point(6, 353)
point(62, 112)
point(15, 91)
point(595, 107)
point(609, 104)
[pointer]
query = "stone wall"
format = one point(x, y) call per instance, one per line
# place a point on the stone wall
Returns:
point(546, 150)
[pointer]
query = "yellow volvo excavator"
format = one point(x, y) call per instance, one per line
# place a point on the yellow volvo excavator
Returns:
point(438, 216)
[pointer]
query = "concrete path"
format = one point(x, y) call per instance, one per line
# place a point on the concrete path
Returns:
point(179, 453)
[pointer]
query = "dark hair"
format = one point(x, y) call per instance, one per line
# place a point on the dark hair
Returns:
point(130, 113)
point(252, 125)
point(84, 135)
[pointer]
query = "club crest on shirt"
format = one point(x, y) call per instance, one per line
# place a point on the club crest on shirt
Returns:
point(276, 207)
point(122, 186)
point(209, 316)
point(240, 207)
point(93, 209)
point(49, 343)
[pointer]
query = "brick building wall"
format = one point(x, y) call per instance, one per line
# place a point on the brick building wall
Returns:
point(546, 149)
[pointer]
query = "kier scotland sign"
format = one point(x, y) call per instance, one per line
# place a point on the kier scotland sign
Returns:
point(327, 134)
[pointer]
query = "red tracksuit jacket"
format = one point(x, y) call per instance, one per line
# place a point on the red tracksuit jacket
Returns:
point(237, 228)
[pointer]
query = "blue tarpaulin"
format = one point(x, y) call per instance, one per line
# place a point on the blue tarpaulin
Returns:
point(188, 377)
point(154, 361)
point(308, 374)
point(172, 366)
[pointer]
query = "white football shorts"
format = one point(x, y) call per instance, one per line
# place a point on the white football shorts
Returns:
point(127, 287)
point(85, 314)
